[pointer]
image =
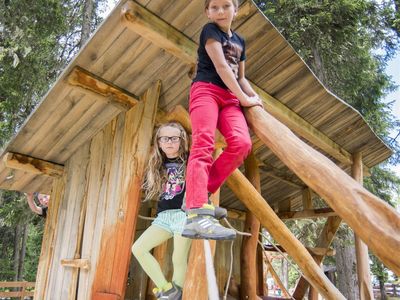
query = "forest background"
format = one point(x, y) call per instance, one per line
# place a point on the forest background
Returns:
point(347, 43)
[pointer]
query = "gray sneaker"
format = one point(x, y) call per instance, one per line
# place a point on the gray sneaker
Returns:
point(174, 293)
point(216, 212)
point(201, 223)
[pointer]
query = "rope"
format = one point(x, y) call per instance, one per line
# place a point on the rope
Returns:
point(211, 279)
point(146, 218)
point(210, 272)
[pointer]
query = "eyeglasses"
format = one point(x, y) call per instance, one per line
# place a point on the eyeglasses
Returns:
point(166, 139)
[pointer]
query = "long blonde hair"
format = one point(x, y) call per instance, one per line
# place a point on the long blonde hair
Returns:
point(155, 171)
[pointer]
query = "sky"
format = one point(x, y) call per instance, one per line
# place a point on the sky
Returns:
point(393, 69)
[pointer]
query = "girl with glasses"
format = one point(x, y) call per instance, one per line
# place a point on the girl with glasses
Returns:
point(165, 179)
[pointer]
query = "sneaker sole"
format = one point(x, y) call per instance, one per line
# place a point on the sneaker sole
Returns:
point(204, 236)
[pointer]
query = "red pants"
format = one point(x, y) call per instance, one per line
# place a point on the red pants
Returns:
point(213, 107)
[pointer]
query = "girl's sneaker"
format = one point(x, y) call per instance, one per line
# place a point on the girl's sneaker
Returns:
point(174, 293)
point(201, 223)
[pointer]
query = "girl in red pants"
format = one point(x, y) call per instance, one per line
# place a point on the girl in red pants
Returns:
point(217, 93)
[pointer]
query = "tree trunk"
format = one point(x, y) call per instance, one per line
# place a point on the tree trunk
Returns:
point(346, 270)
point(87, 16)
point(382, 289)
point(22, 253)
point(17, 241)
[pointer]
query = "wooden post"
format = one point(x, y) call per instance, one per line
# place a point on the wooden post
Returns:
point(248, 272)
point(363, 269)
point(117, 235)
point(243, 189)
point(262, 272)
point(49, 239)
point(375, 222)
point(195, 286)
point(324, 241)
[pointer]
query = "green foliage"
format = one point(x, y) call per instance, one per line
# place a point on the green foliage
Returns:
point(347, 44)
point(37, 39)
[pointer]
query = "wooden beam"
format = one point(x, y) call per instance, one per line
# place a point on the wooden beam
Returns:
point(246, 192)
point(78, 263)
point(275, 276)
point(165, 36)
point(113, 263)
point(307, 214)
point(307, 199)
point(362, 257)
point(153, 28)
point(375, 221)
point(313, 251)
point(49, 239)
point(282, 175)
point(324, 241)
point(196, 286)
point(248, 253)
point(89, 81)
point(32, 165)
point(243, 189)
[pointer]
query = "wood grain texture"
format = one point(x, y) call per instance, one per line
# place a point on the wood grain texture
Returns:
point(376, 222)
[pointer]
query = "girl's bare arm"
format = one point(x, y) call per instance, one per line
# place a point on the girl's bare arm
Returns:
point(215, 52)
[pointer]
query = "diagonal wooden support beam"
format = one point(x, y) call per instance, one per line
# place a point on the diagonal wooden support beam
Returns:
point(32, 165)
point(324, 241)
point(375, 221)
point(243, 189)
point(89, 81)
point(165, 36)
point(248, 194)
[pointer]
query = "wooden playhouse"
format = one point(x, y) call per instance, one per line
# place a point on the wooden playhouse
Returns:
point(87, 143)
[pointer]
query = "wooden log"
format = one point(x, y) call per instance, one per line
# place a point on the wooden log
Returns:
point(196, 286)
point(307, 199)
point(314, 251)
point(165, 36)
point(116, 95)
point(362, 257)
point(32, 165)
point(324, 241)
point(148, 25)
point(76, 263)
point(275, 276)
point(243, 189)
point(248, 255)
point(258, 205)
point(375, 221)
point(113, 262)
point(307, 214)
point(262, 272)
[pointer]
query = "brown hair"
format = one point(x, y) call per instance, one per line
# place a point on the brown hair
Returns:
point(155, 171)
point(235, 3)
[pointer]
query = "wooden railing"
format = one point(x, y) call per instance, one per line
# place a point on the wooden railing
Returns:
point(392, 289)
point(21, 289)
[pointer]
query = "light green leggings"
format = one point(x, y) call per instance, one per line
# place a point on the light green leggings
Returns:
point(152, 237)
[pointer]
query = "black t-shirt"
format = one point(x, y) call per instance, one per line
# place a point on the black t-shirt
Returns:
point(44, 211)
point(174, 188)
point(234, 52)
